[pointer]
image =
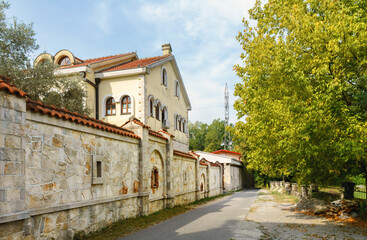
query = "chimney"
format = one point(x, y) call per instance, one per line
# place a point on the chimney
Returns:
point(166, 49)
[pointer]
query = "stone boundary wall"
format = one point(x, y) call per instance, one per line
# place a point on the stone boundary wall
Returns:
point(59, 178)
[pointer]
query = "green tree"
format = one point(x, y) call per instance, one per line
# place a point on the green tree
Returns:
point(215, 135)
point(304, 89)
point(197, 133)
point(17, 42)
point(204, 137)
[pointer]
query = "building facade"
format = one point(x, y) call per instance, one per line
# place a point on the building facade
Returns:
point(123, 86)
point(63, 174)
point(233, 168)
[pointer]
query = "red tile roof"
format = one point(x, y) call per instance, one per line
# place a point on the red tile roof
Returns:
point(194, 153)
point(136, 63)
point(183, 154)
point(215, 164)
point(62, 113)
point(94, 60)
point(137, 121)
point(5, 85)
point(203, 162)
point(165, 132)
point(225, 151)
point(156, 134)
point(52, 111)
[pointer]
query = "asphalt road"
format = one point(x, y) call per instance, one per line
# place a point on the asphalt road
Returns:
point(221, 219)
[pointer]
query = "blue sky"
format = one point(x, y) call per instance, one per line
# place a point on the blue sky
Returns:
point(201, 32)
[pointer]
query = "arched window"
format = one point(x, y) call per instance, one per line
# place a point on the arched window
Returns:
point(163, 114)
point(176, 122)
point(151, 107)
point(179, 124)
point(164, 76)
point(155, 178)
point(126, 105)
point(110, 107)
point(177, 89)
point(64, 61)
point(183, 126)
point(157, 110)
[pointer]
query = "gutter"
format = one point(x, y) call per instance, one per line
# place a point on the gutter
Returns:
point(96, 91)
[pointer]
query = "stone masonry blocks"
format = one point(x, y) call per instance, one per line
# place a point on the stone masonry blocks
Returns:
point(12, 141)
point(2, 195)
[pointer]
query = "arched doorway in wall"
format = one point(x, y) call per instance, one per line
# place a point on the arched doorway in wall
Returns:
point(157, 175)
point(202, 183)
point(157, 182)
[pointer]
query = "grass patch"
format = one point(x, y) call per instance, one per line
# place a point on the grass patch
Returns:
point(279, 197)
point(131, 225)
point(284, 198)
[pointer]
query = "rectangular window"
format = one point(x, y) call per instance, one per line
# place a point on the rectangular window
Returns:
point(99, 169)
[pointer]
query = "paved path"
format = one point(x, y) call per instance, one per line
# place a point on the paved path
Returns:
point(222, 219)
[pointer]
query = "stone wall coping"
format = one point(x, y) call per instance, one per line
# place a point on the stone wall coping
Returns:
point(179, 158)
point(156, 198)
point(44, 119)
point(157, 139)
point(186, 192)
point(39, 211)
point(14, 217)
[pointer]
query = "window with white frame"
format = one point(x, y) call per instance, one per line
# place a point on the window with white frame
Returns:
point(126, 105)
point(110, 107)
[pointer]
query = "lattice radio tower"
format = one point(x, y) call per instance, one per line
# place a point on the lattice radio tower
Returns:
point(227, 140)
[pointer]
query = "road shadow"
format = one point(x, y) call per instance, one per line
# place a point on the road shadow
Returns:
point(210, 221)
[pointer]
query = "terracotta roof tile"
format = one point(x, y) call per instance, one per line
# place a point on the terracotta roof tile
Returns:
point(194, 153)
point(215, 164)
point(225, 151)
point(62, 113)
point(203, 162)
point(94, 60)
point(183, 154)
point(5, 85)
point(136, 63)
point(156, 134)
point(137, 121)
point(165, 132)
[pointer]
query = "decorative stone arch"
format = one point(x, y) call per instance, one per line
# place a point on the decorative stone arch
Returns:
point(157, 101)
point(64, 53)
point(43, 57)
point(124, 94)
point(164, 82)
point(103, 105)
point(153, 149)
